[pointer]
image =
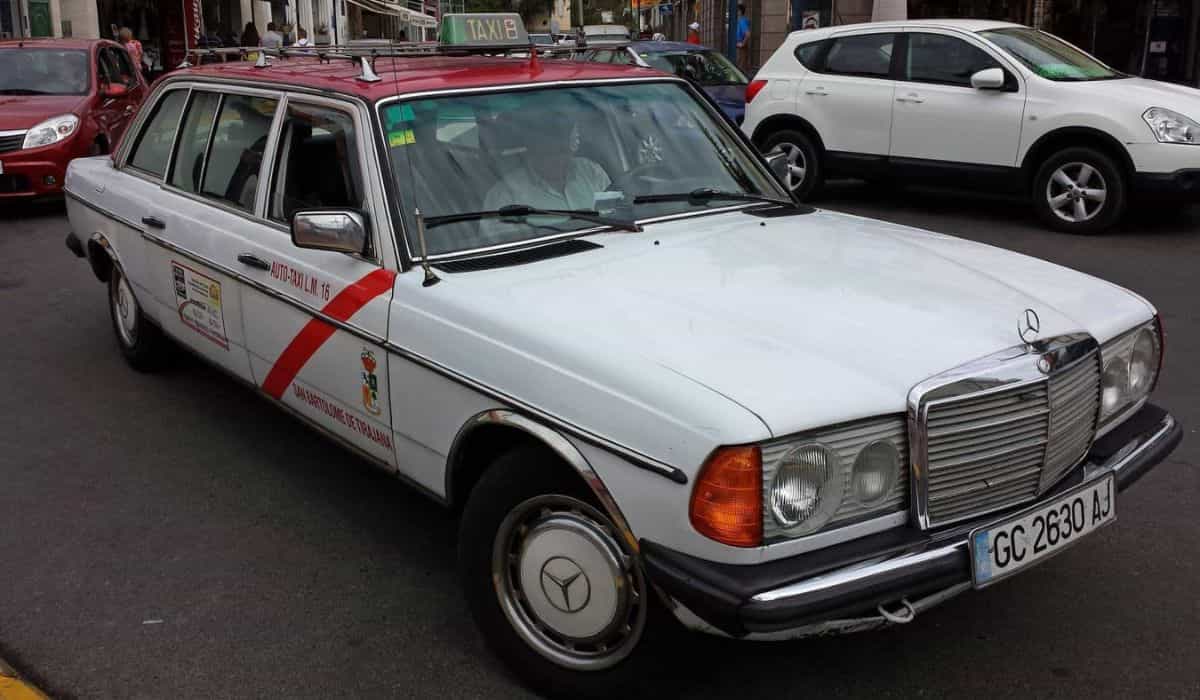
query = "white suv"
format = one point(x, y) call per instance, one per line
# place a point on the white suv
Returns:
point(984, 105)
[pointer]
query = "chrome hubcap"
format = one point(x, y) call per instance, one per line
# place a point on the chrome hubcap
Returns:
point(797, 166)
point(565, 583)
point(1076, 192)
point(126, 311)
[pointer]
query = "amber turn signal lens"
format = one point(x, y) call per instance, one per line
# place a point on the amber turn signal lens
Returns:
point(727, 499)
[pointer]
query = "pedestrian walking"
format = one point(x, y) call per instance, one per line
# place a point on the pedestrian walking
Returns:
point(693, 36)
point(743, 39)
point(133, 46)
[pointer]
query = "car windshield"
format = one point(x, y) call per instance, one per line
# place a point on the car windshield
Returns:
point(28, 71)
point(1049, 56)
point(580, 149)
point(705, 67)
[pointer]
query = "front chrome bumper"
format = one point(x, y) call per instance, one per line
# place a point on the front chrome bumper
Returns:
point(878, 580)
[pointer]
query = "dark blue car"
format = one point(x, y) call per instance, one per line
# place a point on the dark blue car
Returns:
point(709, 69)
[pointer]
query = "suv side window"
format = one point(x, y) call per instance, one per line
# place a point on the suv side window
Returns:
point(235, 151)
point(153, 145)
point(809, 55)
point(865, 55)
point(187, 167)
point(318, 162)
point(947, 60)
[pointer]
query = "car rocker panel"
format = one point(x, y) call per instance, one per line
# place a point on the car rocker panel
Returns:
point(784, 421)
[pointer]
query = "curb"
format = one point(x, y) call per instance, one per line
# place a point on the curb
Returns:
point(13, 688)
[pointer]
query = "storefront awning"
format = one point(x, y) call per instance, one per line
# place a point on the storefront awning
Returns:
point(381, 7)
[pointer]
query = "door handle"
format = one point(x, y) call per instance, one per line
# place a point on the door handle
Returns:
point(254, 261)
point(913, 97)
point(819, 92)
point(153, 222)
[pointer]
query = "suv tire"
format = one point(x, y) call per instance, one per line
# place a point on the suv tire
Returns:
point(805, 174)
point(578, 630)
point(1079, 190)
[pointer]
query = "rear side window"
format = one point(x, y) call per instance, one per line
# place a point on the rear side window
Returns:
point(188, 166)
point(866, 55)
point(936, 58)
point(154, 143)
point(809, 55)
point(235, 152)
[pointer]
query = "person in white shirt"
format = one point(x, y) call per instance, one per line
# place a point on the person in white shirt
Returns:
point(302, 38)
point(272, 39)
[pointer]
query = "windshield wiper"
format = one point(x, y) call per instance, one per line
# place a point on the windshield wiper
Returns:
point(23, 91)
point(707, 194)
point(520, 211)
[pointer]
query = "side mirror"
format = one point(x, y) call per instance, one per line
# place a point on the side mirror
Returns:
point(988, 79)
point(341, 230)
point(777, 161)
point(113, 90)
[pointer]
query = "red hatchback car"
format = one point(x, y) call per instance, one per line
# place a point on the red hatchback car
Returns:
point(60, 99)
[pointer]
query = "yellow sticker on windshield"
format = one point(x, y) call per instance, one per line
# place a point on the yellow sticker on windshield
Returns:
point(402, 137)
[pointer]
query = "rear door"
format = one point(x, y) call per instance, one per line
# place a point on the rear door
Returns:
point(316, 321)
point(848, 97)
point(938, 115)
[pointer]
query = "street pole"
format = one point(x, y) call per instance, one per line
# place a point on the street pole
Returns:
point(731, 32)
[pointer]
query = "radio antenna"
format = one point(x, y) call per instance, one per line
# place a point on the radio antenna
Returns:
point(430, 278)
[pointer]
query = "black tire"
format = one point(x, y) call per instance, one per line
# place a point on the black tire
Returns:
point(529, 480)
point(1079, 190)
point(140, 341)
point(797, 142)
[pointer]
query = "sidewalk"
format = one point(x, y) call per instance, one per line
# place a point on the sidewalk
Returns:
point(13, 688)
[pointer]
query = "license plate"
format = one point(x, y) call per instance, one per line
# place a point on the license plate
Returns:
point(1004, 548)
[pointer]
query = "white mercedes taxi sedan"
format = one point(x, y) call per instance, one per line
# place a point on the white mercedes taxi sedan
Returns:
point(988, 106)
point(653, 385)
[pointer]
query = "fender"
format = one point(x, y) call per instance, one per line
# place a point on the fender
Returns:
point(557, 443)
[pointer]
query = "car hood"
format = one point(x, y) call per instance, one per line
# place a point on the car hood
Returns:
point(801, 321)
point(1141, 94)
point(24, 111)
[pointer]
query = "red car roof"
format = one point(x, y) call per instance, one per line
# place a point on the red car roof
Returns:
point(53, 43)
point(406, 75)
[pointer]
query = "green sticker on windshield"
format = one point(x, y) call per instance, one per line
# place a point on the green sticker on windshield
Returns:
point(398, 114)
point(402, 137)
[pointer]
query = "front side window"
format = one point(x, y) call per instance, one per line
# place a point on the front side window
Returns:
point(1048, 56)
point(115, 68)
point(235, 152)
point(153, 146)
point(707, 68)
point(590, 149)
point(318, 162)
point(937, 58)
point(32, 71)
point(187, 168)
point(866, 55)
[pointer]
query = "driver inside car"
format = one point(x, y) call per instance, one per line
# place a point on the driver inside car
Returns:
point(542, 170)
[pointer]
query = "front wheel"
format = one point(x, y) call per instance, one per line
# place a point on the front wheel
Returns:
point(1079, 190)
point(552, 585)
point(804, 173)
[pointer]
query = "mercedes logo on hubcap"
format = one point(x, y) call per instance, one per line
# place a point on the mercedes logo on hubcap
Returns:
point(565, 585)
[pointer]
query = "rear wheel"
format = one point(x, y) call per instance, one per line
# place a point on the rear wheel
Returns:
point(141, 342)
point(1079, 190)
point(554, 588)
point(804, 173)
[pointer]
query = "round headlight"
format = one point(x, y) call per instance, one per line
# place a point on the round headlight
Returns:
point(1143, 363)
point(807, 488)
point(875, 471)
point(1114, 385)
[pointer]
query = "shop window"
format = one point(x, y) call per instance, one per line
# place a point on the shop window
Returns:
point(154, 143)
point(865, 55)
point(947, 60)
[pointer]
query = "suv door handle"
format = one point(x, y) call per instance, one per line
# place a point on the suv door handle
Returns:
point(254, 261)
point(153, 222)
point(912, 97)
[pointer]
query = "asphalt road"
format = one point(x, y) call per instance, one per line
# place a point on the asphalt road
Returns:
point(173, 536)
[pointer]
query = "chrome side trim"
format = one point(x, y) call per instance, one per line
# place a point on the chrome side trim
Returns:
point(1000, 371)
point(556, 442)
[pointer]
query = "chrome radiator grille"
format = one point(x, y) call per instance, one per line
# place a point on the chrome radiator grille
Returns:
point(995, 444)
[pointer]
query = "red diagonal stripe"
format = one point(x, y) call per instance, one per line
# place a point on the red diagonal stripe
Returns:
point(316, 332)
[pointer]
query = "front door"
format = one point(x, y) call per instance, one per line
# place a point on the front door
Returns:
point(39, 19)
point(940, 117)
point(849, 101)
point(316, 320)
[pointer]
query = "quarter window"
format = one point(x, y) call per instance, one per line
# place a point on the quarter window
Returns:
point(937, 58)
point(866, 55)
point(235, 153)
point(154, 143)
point(318, 162)
point(809, 54)
point(188, 166)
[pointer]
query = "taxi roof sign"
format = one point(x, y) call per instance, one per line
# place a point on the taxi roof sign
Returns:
point(483, 30)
